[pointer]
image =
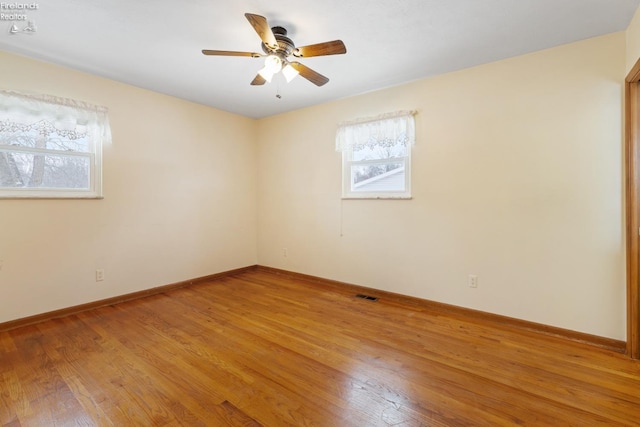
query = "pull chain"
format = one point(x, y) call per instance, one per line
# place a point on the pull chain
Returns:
point(278, 89)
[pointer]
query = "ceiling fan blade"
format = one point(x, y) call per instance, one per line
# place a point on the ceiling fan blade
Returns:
point(313, 76)
point(335, 47)
point(259, 23)
point(230, 53)
point(258, 80)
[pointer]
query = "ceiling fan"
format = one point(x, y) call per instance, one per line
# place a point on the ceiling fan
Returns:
point(280, 52)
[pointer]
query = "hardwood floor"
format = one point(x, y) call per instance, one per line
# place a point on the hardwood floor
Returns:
point(260, 349)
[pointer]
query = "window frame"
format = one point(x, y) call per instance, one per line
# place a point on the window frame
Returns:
point(397, 126)
point(49, 108)
point(348, 163)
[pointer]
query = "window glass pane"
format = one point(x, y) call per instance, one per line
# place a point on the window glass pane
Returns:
point(378, 177)
point(44, 135)
point(29, 170)
point(378, 150)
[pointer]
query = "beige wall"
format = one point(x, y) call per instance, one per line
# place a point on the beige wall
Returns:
point(517, 178)
point(633, 41)
point(180, 200)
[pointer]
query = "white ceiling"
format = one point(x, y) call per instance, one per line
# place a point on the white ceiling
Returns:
point(156, 44)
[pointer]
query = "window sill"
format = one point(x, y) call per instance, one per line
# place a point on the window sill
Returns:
point(378, 198)
point(52, 196)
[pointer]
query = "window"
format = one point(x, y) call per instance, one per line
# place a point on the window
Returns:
point(376, 156)
point(50, 147)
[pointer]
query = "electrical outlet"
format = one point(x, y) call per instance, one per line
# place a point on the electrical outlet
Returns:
point(285, 252)
point(99, 275)
point(473, 281)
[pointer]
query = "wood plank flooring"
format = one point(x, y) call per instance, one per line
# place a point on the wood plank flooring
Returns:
point(261, 349)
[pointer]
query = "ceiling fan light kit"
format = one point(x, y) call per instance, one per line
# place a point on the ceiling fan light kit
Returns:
point(272, 65)
point(289, 73)
point(280, 51)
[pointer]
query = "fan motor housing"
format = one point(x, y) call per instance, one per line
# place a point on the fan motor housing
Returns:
point(285, 44)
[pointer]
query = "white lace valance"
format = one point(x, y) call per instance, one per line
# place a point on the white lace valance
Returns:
point(49, 114)
point(385, 129)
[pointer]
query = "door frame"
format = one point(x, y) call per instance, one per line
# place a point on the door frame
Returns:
point(632, 202)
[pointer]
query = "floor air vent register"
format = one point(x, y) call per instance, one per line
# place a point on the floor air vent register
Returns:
point(367, 297)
